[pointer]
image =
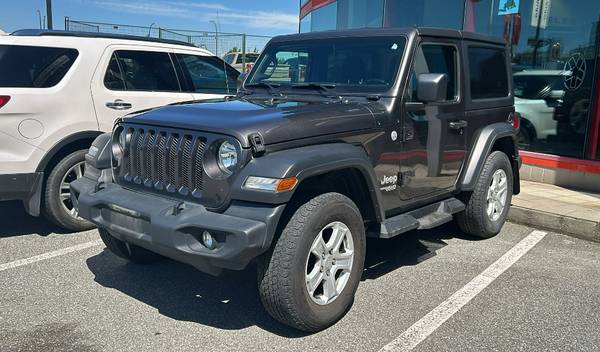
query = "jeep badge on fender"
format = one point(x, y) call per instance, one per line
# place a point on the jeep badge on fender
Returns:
point(299, 168)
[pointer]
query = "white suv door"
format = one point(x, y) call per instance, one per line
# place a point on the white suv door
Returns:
point(130, 79)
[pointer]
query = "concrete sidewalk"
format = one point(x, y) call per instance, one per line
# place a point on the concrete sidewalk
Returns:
point(557, 209)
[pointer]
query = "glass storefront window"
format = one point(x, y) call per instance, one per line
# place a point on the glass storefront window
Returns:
point(305, 24)
point(324, 18)
point(431, 13)
point(359, 13)
point(553, 48)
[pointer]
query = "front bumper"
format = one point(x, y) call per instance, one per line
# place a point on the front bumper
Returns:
point(174, 228)
point(24, 187)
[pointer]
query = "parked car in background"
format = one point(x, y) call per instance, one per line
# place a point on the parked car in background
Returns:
point(59, 90)
point(537, 95)
point(236, 59)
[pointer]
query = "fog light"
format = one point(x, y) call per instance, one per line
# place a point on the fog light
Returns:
point(208, 240)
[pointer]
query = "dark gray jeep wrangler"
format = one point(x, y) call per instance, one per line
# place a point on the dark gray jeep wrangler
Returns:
point(333, 136)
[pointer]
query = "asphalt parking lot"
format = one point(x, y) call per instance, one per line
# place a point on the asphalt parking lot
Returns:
point(65, 292)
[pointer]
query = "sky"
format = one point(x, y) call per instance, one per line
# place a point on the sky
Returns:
point(260, 17)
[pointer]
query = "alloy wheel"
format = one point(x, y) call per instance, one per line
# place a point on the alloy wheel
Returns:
point(76, 171)
point(329, 263)
point(497, 195)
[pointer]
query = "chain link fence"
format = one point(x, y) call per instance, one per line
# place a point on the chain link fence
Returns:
point(218, 43)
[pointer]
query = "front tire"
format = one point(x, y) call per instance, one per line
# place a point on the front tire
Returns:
point(57, 196)
point(129, 252)
point(309, 279)
point(488, 204)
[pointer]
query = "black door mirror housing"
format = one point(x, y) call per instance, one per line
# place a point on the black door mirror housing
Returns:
point(432, 87)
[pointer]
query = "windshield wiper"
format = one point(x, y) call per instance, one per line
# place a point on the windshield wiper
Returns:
point(323, 88)
point(269, 86)
point(318, 86)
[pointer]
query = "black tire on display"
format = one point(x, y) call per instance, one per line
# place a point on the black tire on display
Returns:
point(488, 205)
point(57, 206)
point(525, 138)
point(300, 282)
point(130, 252)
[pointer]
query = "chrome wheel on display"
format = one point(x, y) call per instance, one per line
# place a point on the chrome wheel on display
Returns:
point(329, 263)
point(497, 195)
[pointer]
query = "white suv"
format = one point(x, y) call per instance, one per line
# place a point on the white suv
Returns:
point(236, 59)
point(59, 90)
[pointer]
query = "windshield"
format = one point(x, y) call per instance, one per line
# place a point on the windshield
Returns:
point(351, 65)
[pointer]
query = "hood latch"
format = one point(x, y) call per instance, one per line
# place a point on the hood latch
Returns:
point(257, 144)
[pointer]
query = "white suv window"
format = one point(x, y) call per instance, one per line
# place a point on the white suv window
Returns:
point(141, 71)
point(34, 66)
point(207, 74)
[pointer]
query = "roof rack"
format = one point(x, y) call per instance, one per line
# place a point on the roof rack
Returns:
point(59, 33)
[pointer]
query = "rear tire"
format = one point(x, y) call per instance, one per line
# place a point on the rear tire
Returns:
point(488, 204)
point(57, 204)
point(130, 252)
point(331, 225)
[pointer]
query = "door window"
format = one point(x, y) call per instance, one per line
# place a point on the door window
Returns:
point(207, 74)
point(141, 71)
point(435, 58)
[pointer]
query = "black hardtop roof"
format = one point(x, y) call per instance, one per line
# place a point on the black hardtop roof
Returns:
point(59, 33)
point(374, 32)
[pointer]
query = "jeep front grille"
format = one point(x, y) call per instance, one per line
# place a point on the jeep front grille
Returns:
point(164, 160)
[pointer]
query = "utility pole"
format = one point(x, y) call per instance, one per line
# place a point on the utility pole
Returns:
point(49, 13)
point(216, 38)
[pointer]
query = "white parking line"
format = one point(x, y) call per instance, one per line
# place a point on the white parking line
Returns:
point(49, 255)
point(420, 330)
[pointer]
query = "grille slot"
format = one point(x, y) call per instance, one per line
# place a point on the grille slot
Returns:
point(164, 160)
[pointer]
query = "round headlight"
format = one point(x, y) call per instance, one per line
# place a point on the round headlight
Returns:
point(227, 157)
point(122, 139)
point(118, 146)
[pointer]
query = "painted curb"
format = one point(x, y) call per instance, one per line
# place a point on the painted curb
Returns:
point(579, 228)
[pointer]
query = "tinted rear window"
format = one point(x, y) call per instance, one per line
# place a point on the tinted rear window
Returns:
point(489, 76)
point(34, 66)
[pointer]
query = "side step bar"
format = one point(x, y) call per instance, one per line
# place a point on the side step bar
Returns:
point(427, 217)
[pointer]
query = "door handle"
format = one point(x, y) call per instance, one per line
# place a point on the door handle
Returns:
point(457, 125)
point(118, 105)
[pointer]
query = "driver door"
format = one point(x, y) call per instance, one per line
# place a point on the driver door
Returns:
point(434, 133)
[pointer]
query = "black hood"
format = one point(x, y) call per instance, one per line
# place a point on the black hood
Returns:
point(278, 121)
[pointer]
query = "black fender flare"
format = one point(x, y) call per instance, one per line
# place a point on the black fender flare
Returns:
point(484, 141)
point(305, 162)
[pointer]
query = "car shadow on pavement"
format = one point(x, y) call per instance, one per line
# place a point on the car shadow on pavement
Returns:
point(412, 248)
point(181, 292)
point(14, 221)
point(231, 301)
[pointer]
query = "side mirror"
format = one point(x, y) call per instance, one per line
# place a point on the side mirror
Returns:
point(432, 87)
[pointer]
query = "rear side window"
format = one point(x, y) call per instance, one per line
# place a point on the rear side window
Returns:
point(207, 74)
point(489, 76)
point(141, 71)
point(34, 66)
point(250, 59)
